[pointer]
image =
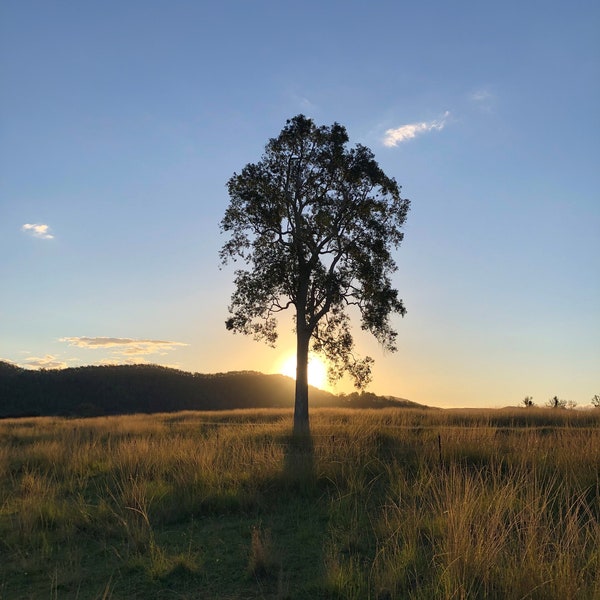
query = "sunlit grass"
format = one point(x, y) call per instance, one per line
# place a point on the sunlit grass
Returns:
point(377, 504)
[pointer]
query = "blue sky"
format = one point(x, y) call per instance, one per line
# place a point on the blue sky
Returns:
point(121, 122)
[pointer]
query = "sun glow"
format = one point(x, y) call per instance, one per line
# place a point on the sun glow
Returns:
point(317, 370)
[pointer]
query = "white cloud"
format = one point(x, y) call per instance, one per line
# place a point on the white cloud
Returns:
point(38, 230)
point(393, 137)
point(45, 362)
point(123, 346)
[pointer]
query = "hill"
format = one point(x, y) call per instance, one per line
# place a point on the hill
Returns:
point(123, 389)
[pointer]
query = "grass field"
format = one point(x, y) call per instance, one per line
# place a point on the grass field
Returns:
point(387, 504)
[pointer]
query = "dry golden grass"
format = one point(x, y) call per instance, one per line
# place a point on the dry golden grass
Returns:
point(377, 504)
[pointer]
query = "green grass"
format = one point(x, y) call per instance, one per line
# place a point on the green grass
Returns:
point(375, 505)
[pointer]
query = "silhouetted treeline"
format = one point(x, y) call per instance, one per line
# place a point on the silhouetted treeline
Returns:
point(123, 389)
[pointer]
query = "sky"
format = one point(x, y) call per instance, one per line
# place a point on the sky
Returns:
point(121, 122)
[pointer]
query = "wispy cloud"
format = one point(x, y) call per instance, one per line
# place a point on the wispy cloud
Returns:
point(393, 137)
point(305, 103)
point(483, 99)
point(301, 101)
point(481, 96)
point(123, 346)
point(44, 362)
point(38, 230)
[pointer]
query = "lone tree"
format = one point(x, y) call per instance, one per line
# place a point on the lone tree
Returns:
point(315, 223)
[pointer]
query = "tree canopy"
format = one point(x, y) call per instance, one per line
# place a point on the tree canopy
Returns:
point(315, 224)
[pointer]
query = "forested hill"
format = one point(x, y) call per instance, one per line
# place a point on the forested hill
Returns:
point(110, 390)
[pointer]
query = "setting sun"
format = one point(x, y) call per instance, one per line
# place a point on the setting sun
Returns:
point(317, 370)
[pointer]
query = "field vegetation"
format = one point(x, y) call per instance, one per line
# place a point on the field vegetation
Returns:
point(376, 504)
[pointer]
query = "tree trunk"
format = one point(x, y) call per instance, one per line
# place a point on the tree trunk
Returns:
point(301, 422)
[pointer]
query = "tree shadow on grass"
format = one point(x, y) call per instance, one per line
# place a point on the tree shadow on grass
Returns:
point(299, 472)
point(306, 520)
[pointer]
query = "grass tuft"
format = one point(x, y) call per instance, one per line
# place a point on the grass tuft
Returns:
point(262, 560)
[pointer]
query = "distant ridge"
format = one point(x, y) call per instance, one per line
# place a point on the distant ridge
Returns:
point(123, 389)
